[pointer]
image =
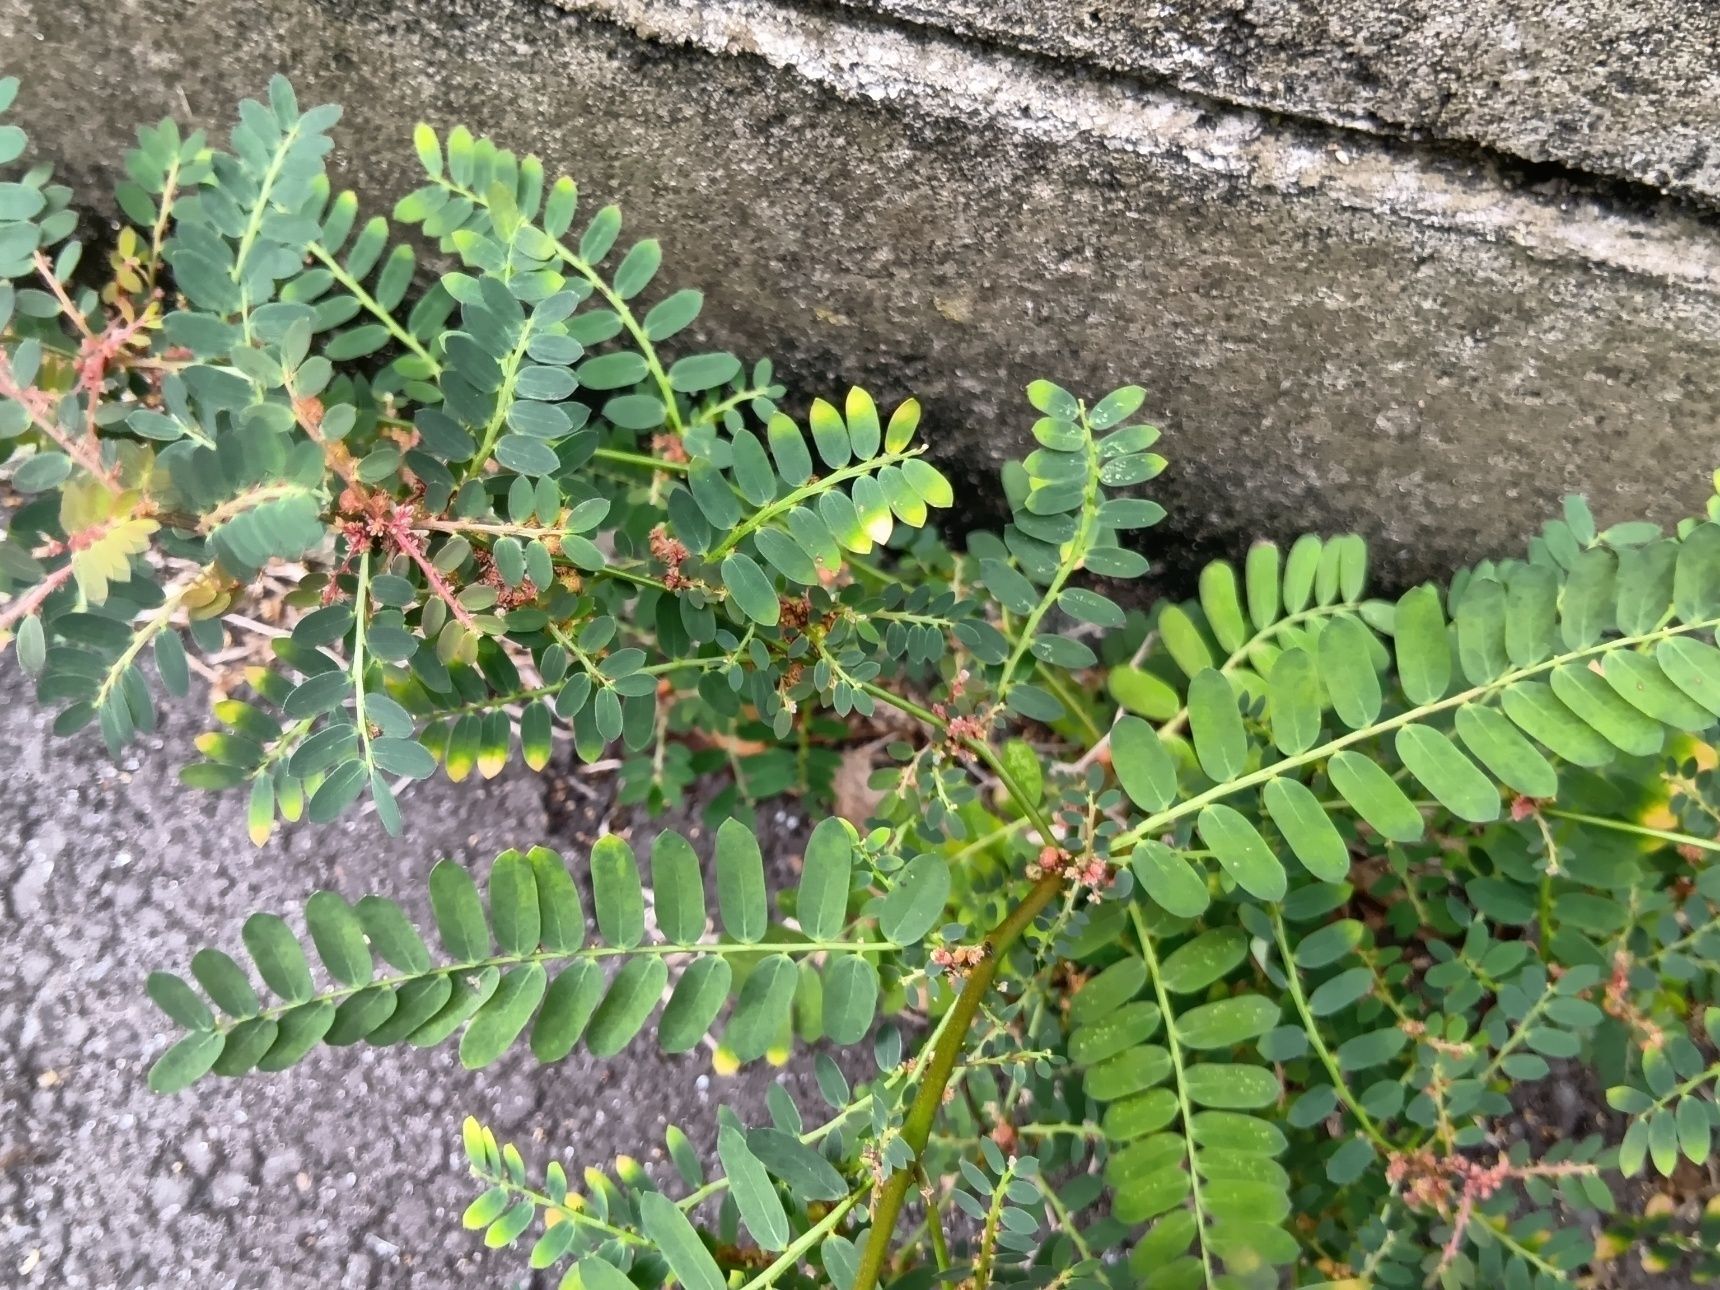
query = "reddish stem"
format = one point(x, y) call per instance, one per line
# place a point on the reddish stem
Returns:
point(27, 603)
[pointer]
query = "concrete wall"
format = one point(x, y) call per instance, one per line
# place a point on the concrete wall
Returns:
point(1364, 284)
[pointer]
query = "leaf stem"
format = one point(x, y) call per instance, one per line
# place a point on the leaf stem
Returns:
point(1189, 806)
point(1311, 1027)
point(371, 304)
point(813, 1235)
point(1185, 1109)
point(1640, 830)
point(786, 503)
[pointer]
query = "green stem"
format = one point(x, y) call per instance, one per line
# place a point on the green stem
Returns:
point(786, 503)
point(265, 190)
point(1066, 1221)
point(1185, 1108)
point(1312, 1028)
point(1058, 684)
point(372, 305)
point(357, 668)
point(1640, 830)
point(504, 400)
point(568, 1213)
point(814, 1234)
point(710, 414)
point(642, 460)
point(1162, 821)
point(934, 1222)
point(641, 341)
point(988, 1238)
point(156, 624)
point(1077, 552)
point(917, 1126)
point(978, 747)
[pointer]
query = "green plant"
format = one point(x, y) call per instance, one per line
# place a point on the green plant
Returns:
point(1227, 932)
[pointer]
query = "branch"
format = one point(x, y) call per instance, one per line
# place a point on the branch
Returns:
point(917, 1128)
point(29, 601)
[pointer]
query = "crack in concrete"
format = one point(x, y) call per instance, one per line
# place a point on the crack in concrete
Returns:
point(942, 75)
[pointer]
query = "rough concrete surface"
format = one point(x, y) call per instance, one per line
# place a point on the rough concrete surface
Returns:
point(1627, 88)
point(343, 1172)
point(1336, 329)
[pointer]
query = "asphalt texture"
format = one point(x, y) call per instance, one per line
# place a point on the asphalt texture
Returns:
point(343, 1172)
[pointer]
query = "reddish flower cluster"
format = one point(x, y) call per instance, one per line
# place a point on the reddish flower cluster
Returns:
point(672, 553)
point(1617, 1003)
point(959, 960)
point(669, 447)
point(1524, 808)
point(1084, 871)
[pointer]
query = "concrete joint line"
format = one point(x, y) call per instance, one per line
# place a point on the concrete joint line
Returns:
point(922, 70)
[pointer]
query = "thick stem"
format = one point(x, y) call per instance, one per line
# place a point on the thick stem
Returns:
point(917, 1127)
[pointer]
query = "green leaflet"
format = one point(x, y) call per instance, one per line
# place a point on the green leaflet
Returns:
point(760, 1208)
point(1375, 797)
point(1242, 852)
point(740, 883)
point(1261, 575)
point(916, 903)
point(751, 589)
point(677, 888)
point(1195, 965)
point(1347, 672)
point(1169, 879)
point(1447, 774)
point(694, 1003)
point(1422, 647)
point(1226, 1023)
point(824, 880)
point(1293, 702)
point(617, 893)
point(1498, 746)
point(1313, 838)
point(678, 1242)
point(1143, 764)
point(631, 999)
point(1220, 742)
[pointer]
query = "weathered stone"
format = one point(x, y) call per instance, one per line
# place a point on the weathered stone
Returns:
point(1628, 88)
point(1336, 329)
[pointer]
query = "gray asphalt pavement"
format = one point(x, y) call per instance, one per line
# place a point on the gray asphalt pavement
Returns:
point(345, 1171)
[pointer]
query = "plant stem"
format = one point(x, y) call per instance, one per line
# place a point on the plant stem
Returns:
point(28, 601)
point(988, 1238)
point(357, 291)
point(917, 1127)
point(621, 457)
point(934, 1221)
point(978, 747)
point(1190, 806)
point(1077, 552)
point(1363, 1120)
point(1185, 1109)
point(793, 1254)
point(1640, 830)
point(360, 592)
point(786, 503)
